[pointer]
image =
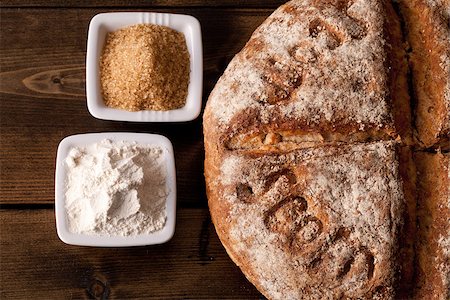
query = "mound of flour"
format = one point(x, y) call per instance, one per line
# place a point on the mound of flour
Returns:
point(116, 188)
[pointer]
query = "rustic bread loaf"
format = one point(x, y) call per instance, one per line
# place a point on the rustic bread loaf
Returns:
point(302, 141)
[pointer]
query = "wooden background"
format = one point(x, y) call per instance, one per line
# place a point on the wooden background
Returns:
point(42, 100)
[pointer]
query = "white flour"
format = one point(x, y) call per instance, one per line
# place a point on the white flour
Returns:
point(116, 188)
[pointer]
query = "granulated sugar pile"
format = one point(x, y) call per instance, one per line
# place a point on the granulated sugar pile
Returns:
point(145, 67)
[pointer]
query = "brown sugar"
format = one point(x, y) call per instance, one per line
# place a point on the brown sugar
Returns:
point(145, 67)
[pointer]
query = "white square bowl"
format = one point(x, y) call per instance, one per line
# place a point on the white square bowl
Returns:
point(103, 23)
point(81, 140)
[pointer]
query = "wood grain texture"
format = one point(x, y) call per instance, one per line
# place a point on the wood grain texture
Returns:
point(143, 3)
point(42, 96)
point(35, 264)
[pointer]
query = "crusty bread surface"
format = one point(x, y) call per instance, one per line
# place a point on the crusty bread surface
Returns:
point(312, 223)
point(428, 32)
point(309, 164)
point(315, 72)
point(433, 240)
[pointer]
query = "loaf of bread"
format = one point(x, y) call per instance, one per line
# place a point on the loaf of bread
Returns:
point(308, 165)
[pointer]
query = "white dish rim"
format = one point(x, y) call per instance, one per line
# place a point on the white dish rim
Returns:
point(186, 24)
point(77, 140)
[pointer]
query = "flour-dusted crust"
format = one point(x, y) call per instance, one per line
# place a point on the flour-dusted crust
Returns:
point(428, 30)
point(309, 190)
point(316, 223)
point(433, 240)
point(315, 72)
point(302, 199)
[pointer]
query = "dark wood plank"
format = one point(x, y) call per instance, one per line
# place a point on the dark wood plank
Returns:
point(28, 159)
point(40, 38)
point(143, 3)
point(42, 97)
point(35, 264)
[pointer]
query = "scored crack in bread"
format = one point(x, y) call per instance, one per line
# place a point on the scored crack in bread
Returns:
point(316, 72)
point(407, 237)
point(319, 223)
point(433, 242)
point(428, 31)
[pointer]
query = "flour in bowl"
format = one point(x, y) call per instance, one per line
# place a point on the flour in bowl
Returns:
point(116, 188)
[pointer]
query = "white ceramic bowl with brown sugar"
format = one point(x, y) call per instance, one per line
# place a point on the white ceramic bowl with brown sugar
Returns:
point(104, 23)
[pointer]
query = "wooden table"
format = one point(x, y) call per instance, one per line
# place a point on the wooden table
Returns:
point(42, 90)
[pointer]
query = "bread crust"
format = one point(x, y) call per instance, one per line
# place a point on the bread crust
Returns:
point(310, 118)
point(299, 228)
point(433, 241)
point(316, 72)
point(428, 32)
